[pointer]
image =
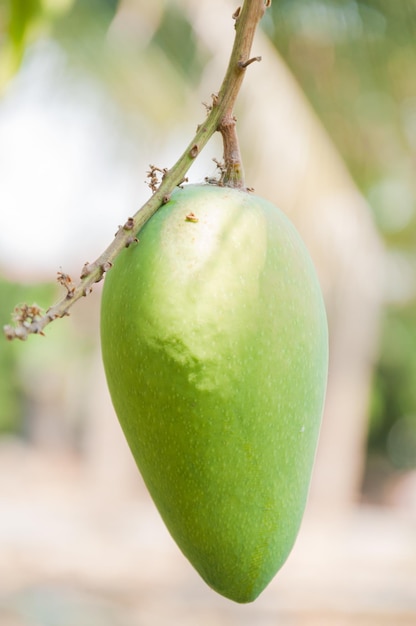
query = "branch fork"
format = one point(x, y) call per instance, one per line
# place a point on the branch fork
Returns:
point(29, 319)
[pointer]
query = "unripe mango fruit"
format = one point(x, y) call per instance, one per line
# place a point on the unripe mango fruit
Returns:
point(215, 347)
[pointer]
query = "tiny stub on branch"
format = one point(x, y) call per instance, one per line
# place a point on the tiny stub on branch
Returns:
point(131, 240)
point(129, 225)
point(236, 14)
point(193, 153)
point(106, 266)
point(244, 64)
point(86, 270)
point(183, 181)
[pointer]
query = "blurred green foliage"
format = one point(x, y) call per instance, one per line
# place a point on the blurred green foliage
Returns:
point(356, 60)
point(147, 60)
point(176, 37)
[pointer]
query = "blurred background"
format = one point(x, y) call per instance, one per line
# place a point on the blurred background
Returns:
point(91, 93)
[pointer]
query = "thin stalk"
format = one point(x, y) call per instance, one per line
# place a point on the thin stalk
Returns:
point(29, 319)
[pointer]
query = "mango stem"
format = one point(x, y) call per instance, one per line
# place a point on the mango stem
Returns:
point(220, 118)
point(233, 171)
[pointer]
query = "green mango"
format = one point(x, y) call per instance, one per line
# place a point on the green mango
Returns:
point(215, 347)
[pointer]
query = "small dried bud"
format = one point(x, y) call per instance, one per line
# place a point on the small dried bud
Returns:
point(191, 217)
point(9, 332)
point(66, 281)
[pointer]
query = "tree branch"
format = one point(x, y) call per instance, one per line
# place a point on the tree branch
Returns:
point(29, 319)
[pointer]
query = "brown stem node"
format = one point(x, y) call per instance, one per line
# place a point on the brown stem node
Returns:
point(129, 225)
point(86, 270)
point(106, 266)
point(193, 153)
point(130, 241)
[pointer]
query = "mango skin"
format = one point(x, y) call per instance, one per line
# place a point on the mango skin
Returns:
point(215, 347)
